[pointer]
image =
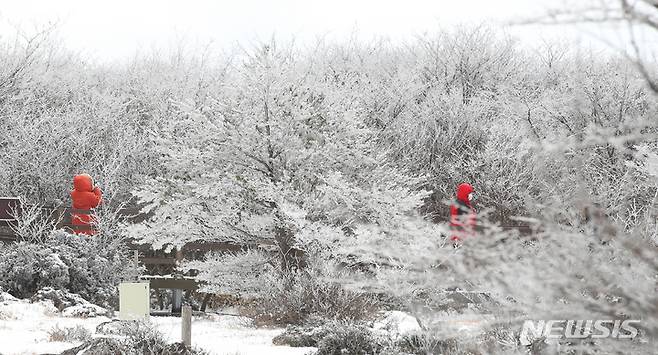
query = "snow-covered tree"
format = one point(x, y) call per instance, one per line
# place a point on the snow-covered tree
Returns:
point(276, 158)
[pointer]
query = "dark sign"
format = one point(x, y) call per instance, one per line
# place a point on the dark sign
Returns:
point(8, 207)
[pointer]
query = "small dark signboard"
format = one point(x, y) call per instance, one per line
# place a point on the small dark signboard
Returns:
point(9, 206)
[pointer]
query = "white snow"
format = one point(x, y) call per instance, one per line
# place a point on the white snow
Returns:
point(397, 323)
point(83, 311)
point(24, 329)
point(228, 335)
point(468, 324)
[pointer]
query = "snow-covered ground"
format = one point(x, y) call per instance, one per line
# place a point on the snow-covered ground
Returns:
point(232, 335)
point(24, 328)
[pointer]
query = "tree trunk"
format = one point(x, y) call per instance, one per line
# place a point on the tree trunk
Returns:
point(291, 258)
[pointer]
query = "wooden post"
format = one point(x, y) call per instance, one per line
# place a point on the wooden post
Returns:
point(206, 299)
point(186, 325)
point(179, 256)
point(136, 261)
point(176, 300)
point(159, 297)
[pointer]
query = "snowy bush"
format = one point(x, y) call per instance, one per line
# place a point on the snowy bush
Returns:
point(353, 339)
point(137, 338)
point(397, 323)
point(243, 274)
point(429, 343)
point(28, 268)
point(69, 334)
point(356, 338)
point(34, 224)
point(301, 336)
point(289, 299)
point(298, 297)
point(95, 267)
point(70, 304)
point(66, 262)
point(6, 297)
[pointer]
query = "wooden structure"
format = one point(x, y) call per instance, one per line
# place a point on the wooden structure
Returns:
point(177, 284)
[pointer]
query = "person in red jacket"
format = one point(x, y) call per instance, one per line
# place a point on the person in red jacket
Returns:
point(462, 214)
point(85, 197)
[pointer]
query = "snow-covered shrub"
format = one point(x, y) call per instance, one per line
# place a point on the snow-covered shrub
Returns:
point(60, 299)
point(397, 323)
point(137, 338)
point(99, 346)
point(501, 337)
point(299, 296)
point(69, 334)
point(302, 336)
point(115, 327)
point(357, 338)
point(29, 267)
point(428, 343)
point(242, 274)
point(6, 297)
point(70, 304)
point(282, 299)
point(66, 262)
point(95, 267)
point(353, 339)
point(34, 224)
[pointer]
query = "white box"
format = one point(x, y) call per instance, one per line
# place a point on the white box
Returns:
point(134, 301)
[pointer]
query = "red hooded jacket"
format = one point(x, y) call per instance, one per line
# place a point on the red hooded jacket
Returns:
point(85, 197)
point(462, 214)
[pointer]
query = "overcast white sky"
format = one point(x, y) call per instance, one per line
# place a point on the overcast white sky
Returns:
point(109, 30)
